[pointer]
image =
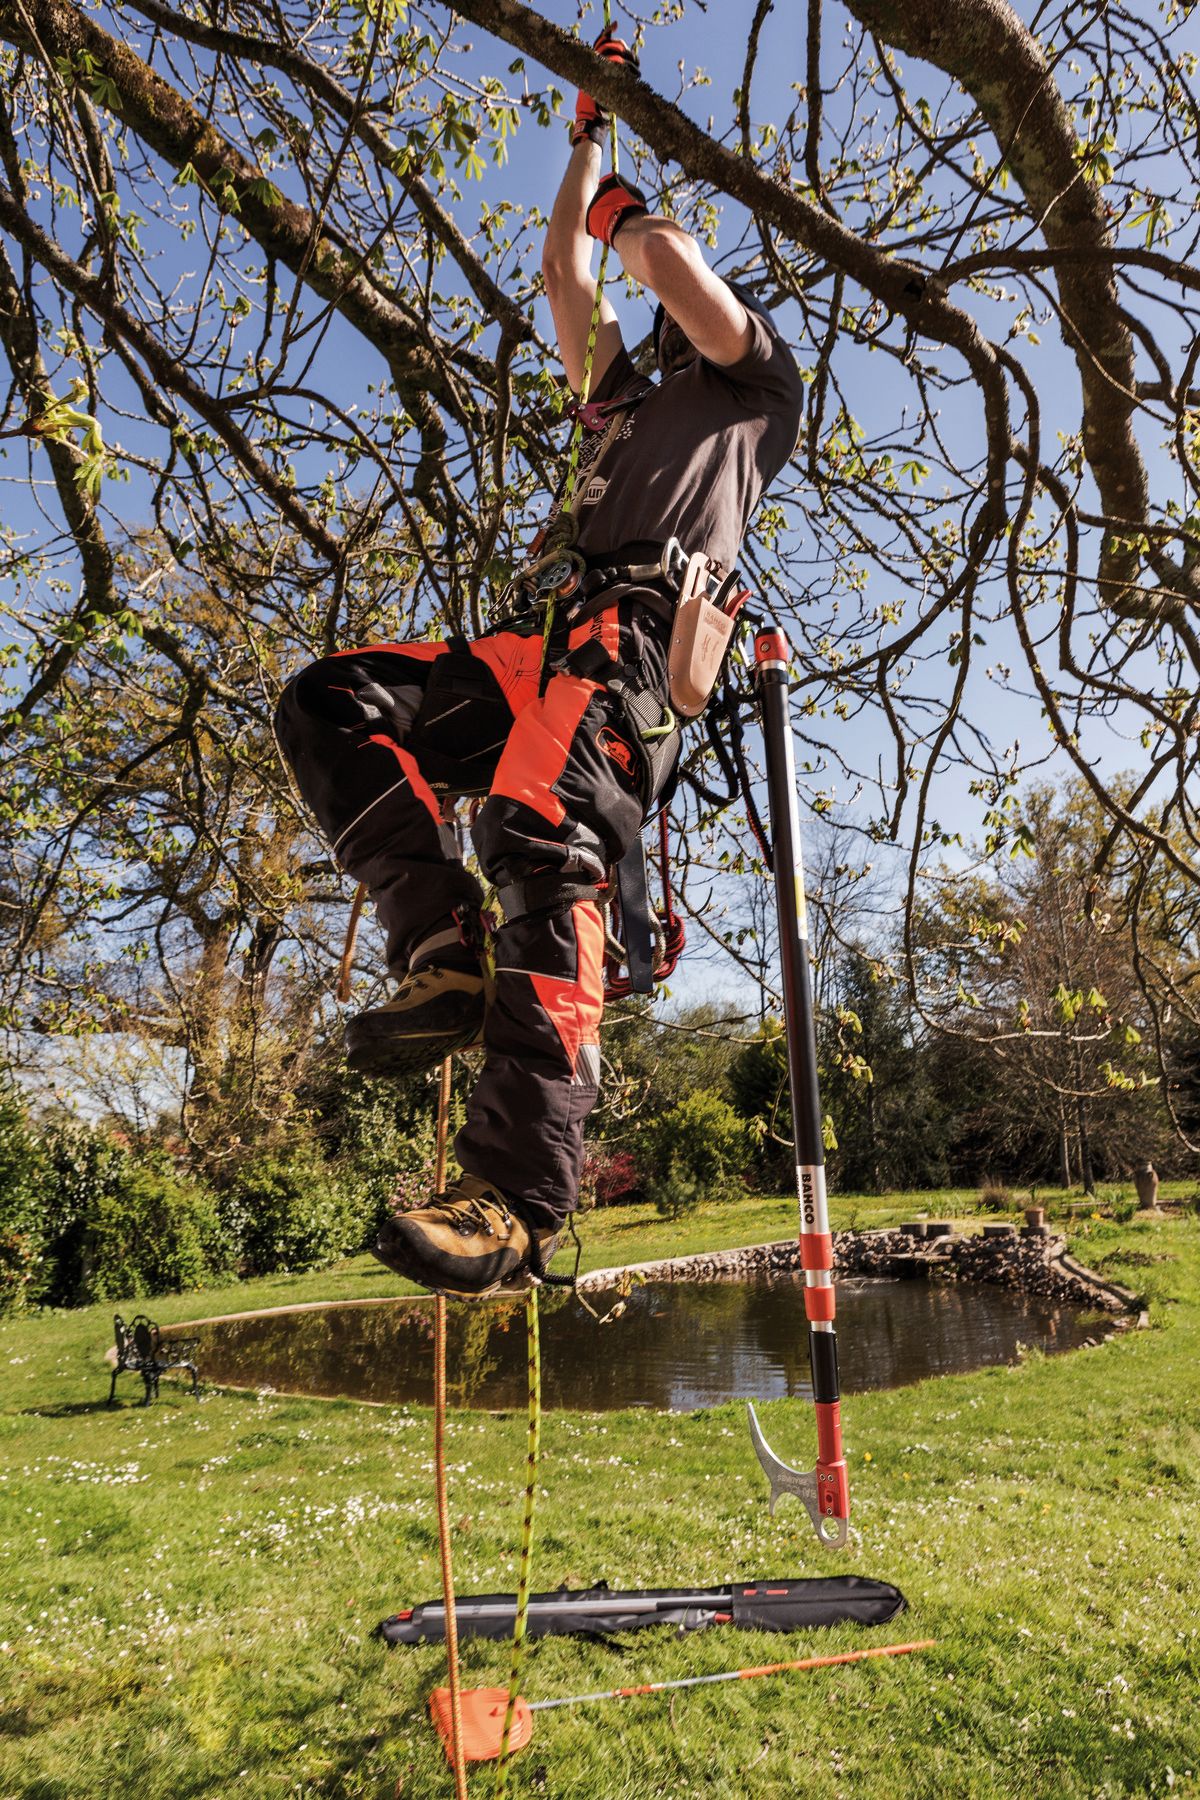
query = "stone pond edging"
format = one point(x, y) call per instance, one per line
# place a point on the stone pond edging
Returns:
point(1031, 1263)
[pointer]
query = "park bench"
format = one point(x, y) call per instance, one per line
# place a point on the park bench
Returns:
point(141, 1351)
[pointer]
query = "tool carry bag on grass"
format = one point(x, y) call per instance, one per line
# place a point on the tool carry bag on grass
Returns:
point(796, 1605)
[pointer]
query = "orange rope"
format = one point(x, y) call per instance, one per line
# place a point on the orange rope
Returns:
point(439, 1460)
point(342, 990)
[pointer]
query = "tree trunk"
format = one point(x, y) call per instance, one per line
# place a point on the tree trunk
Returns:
point(1085, 1148)
point(873, 1140)
point(1064, 1148)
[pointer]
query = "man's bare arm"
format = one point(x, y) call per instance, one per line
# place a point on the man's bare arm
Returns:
point(567, 269)
point(668, 260)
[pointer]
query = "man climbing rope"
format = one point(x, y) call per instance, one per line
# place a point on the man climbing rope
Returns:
point(562, 724)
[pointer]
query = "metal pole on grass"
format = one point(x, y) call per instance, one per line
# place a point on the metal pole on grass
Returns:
point(825, 1492)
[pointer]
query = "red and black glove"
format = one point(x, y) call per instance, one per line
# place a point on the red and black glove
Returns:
point(591, 120)
point(614, 201)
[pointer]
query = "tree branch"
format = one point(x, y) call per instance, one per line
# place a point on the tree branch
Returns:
point(171, 125)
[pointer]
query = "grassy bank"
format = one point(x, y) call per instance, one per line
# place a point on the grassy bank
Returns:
point(188, 1592)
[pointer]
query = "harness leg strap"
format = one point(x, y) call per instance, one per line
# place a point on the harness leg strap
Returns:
point(633, 891)
point(543, 896)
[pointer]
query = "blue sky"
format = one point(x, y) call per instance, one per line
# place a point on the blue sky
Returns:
point(713, 39)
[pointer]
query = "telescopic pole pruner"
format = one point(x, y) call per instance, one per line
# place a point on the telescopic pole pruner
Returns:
point(826, 1491)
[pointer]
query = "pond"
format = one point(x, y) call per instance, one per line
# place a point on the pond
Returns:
point(678, 1345)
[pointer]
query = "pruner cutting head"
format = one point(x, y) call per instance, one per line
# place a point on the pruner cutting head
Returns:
point(832, 1530)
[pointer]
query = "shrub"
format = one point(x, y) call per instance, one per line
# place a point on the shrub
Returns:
point(695, 1152)
point(675, 1192)
point(386, 1177)
point(1122, 1204)
point(22, 1184)
point(377, 1136)
point(18, 1266)
point(290, 1211)
point(85, 1169)
point(994, 1198)
point(145, 1232)
point(758, 1085)
point(83, 1219)
point(610, 1177)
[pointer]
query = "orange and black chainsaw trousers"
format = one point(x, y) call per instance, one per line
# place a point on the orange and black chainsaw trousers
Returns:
point(380, 737)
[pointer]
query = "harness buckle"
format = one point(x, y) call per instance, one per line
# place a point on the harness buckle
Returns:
point(673, 562)
point(472, 925)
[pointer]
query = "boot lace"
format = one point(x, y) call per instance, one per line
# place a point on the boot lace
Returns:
point(417, 980)
point(471, 1213)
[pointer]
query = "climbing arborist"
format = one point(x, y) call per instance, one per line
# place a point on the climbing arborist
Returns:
point(570, 741)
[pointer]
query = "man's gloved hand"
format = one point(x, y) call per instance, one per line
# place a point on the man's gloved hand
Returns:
point(591, 120)
point(614, 201)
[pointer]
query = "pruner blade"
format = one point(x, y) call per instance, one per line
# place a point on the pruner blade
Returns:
point(831, 1530)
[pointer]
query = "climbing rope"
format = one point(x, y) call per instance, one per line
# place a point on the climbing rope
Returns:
point(532, 1458)
point(346, 971)
point(564, 528)
point(532, 1451)
point(533, 1338)
point(566, 531)
point(560, 534)
point(439, 1460)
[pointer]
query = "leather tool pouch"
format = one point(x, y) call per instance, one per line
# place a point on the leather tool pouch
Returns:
point(700, 637)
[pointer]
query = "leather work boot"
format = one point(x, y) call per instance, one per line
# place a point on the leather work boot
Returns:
point(435, 1012)
point(466, 1241)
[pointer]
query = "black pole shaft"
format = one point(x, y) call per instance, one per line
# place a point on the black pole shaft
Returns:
point(798, 1011)
point(771, 655)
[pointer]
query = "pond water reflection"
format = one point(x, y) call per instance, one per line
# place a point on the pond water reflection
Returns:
point(678, 1346)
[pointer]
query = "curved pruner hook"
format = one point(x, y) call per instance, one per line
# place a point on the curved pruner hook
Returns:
point(832, 1530)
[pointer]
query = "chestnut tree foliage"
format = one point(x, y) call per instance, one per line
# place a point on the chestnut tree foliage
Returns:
point(278, 381)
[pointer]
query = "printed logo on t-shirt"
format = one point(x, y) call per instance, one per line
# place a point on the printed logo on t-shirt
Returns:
point(595, 490)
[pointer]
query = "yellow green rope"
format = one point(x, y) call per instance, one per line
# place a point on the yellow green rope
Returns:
point(585, 384)
point(585, 387)
point(532, 1448)
point(533, 1336)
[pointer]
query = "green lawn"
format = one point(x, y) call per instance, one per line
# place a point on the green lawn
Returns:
point(187, 1593)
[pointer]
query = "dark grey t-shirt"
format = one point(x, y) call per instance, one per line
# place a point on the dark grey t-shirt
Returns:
point(692, 459)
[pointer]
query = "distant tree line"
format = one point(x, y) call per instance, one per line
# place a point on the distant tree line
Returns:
point(266, 1155)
